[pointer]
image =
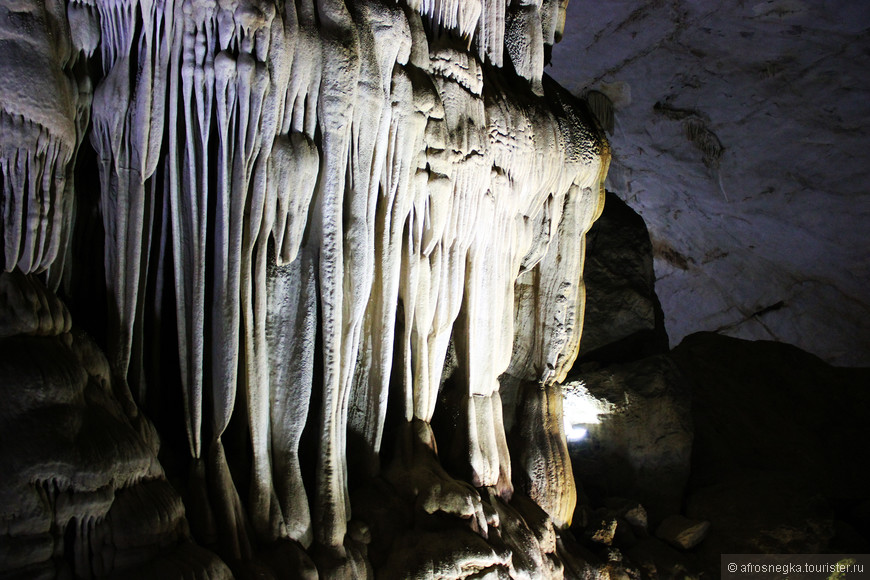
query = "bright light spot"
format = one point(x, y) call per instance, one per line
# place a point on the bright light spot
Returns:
point(574, 433)
point(581, 409)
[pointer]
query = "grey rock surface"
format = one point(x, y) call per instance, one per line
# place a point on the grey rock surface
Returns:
point(739, 136)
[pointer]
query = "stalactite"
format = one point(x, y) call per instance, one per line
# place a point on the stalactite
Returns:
point(39, 118)
point(524, 41)
point(127, 136)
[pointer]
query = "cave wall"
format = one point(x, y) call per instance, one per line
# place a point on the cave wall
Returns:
point(279, 220)
point(739, 136)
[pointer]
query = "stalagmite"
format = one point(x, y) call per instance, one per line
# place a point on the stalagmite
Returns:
point(356, 225)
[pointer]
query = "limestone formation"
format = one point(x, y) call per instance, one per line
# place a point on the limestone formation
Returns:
point(82, 491)
point(305, 208)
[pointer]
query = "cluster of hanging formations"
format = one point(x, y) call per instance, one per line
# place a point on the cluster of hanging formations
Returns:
point(351, 222)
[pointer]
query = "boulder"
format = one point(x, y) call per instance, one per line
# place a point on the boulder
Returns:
point(766, 406)
point(620, 523)
point(604, 530)
point(682, 532)
point(631, 511)
point(642, 448)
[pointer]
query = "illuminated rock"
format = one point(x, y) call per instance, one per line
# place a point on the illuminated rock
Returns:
point(641, 447)
point(682, 532)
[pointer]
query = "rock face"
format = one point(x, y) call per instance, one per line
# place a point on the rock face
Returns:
point(766, 454)
point(641, 449)
point(640, 443)
point(305, 207)
point(738, 137)
point(623, 317)
point(779, 463)
point(627, 410)
point(330, 259)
